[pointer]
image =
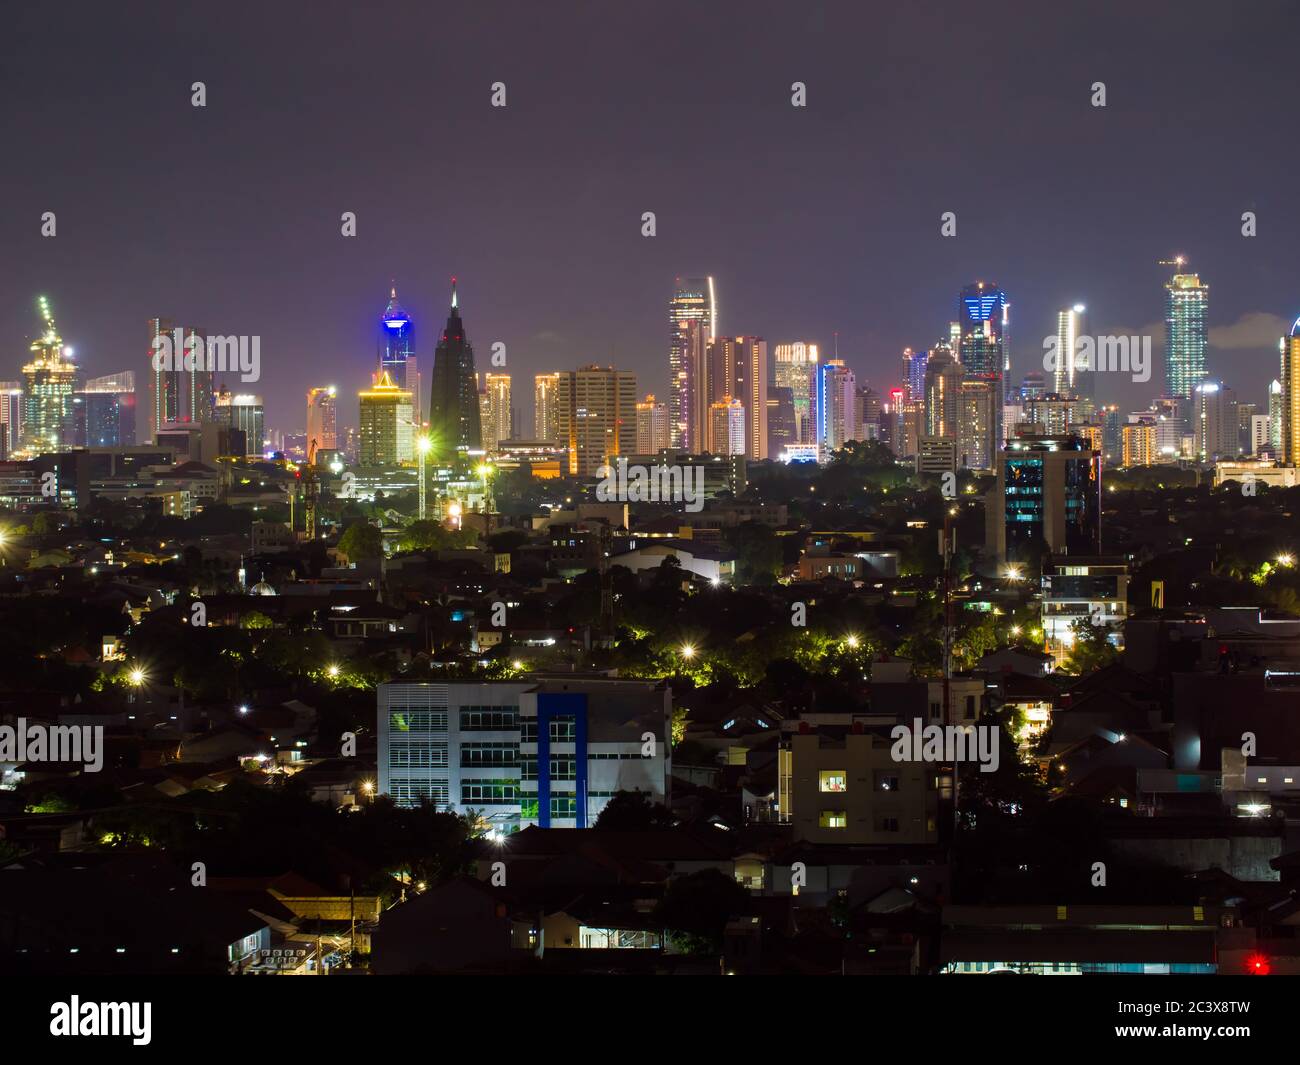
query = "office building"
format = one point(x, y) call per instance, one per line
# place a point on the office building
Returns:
point(976, 415)
point(727, 427)
point(943, 382)
point(736, 369)
point(397, 350)
point(1186, 301)
point(596, 416)
point(1047, 499)
point(914, 364)
point(454, 425)
point(694, 299)
point(106, 414)
point(795, 368)
point(836, 407)
point(387, 435)
point(1288, 397)
point(1071, 376)
point(1081, 588)
point(652, 426)
point(545, 752)
point(984, 324)
point(1215, 425)
point(182, 390)
point(240, 411)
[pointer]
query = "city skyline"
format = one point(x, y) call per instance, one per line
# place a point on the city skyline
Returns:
point(862, 228)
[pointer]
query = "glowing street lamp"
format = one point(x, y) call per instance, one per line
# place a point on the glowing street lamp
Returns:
point(1013, 573)
point(853, 642)
point(137, 676)
point(332, 671)
point(688, 651)
point(1285, 559)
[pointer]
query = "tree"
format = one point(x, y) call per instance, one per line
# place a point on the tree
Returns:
point(361, 540)
point(1092, 648)
point(695, 910)
point(632, 811)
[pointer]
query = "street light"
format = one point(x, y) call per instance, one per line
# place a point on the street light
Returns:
point(852, 641)
point(422, 447)
point(332, 671)
point(688, 651)
point(1013, 573)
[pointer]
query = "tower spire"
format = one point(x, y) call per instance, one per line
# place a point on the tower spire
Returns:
point(454, 304)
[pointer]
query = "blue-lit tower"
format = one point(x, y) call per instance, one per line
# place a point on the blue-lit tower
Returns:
point(397, 349)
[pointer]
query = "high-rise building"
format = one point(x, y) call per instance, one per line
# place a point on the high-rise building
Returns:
point(108, 411)
point(1276, 419)
point(836, 407)
point(1070, 378)
point(694, 299)
point(698, 386)
point(984, 349)
point(737, 369)
point(781, 424)
point(49, 381)
point(454, 425)
point(546, 410)
point(1186, 300)
point(11, 416)
point(727, 427)
point(1047, 499)
point(397, 350)
point(652, 428)
point(1112, 443)
point(868, 413)
point(943, 380)
point(1215, 421)
point(387, 424)
point(178, 395)
point(914, 363)
point(497, 421)
point(1053, 415)
point(322, 419)
point(975, 415)
point(1138, 444)
point(597, 416)
point(796, 369)
point(246, 413)
point(1290, 396)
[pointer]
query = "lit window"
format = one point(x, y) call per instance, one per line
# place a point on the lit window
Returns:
point(833, 780)
point(833, 819)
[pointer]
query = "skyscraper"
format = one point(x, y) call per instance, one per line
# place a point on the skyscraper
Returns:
point(49, 380)
point(1289, 397)
point(546, 425)
point(737, 369)
point(597, 416)
point(397, 349)
point(496, 426)
point(322, 419)
point(984, 351)
point(1186, 300)
point(652, 434)
point(453, 402)
point(1276, 419)
point(694, 299)
point(1047, 497)
point(387, 425)
point(178, 396)
point(727, 424)
point(943, 379)
point(1215, 421)
point(109, 410)
point(836, 407)
point(246, 413)
point(975, 412)
point(1069, 378)
point(914, 374)
point(796, 369)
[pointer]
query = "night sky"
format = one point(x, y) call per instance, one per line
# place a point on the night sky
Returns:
point(812, 220)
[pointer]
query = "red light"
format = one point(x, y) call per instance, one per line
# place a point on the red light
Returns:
point(1258, 965)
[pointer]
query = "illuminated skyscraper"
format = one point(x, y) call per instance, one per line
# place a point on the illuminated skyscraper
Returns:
point(11, 416)
point(1186, 300)
point(914, 374)
point(597, 416)
point(178, 396)
point(108, 411)
point(1276, 419)
point(546, 424)
point(1215, 427)
point(796, 369)
point(397, 349)
point(1289, 397)
point(984, 348)
point(322, 419)
point(652, 434)
point(49, 380)
point(453, 404)
point(496, 425)
point(387, 425)
point(975, 411)
point(737, 369)
point(694, 299)
point(943, 379)
point(246, 413)
point(1069, 378)
point(836, 407)
point(727, 427)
